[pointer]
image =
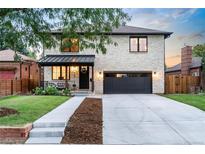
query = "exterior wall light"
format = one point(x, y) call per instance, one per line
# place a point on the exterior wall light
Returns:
point(99, 75)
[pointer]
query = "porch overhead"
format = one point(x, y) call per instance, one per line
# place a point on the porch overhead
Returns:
point(67, 60)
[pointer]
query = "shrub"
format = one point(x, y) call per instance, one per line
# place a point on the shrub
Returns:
point(51, 90)
point(66, 91)
point(38, 91)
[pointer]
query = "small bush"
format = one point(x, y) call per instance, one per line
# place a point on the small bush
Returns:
point(66, 92)
point(51, 90)
point(38, 91)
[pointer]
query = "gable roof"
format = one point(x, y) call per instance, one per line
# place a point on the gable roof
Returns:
point(196, 62)
point(8, 55)
point(130, 30)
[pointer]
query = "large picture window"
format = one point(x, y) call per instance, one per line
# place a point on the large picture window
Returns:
point(138, 44)
point(60, 72)
point(70, 45)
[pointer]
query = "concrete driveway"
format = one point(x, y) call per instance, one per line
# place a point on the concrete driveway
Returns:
point(150, 119)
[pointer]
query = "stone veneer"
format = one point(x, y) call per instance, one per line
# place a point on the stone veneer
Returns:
point(118, 58)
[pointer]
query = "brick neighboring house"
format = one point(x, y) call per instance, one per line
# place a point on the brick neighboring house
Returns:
point(27, 68)
point(189, 65)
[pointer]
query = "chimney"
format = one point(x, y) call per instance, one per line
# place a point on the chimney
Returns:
point(186, 59)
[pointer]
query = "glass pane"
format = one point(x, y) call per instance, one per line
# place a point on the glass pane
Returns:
point(68, 72)
point(75, 45)
point(56, 72)
point(133, 44)
point(143, 44)
point(65, 45)
point(63, 72)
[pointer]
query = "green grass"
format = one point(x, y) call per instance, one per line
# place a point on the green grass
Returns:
point(30, 107)
point(190, 99)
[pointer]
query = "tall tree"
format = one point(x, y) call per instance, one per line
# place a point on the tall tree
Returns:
point(199, 50)
point(23, 28)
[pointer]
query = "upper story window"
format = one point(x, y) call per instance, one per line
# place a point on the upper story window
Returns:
point(70, 45)
point(138, 44)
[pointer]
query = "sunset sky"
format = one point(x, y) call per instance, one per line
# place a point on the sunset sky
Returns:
point(188, 26)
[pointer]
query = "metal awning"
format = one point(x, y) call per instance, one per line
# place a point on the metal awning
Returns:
point(67, 60)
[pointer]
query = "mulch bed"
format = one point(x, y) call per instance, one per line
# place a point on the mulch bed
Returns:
point(7, 111)
point(85, 125)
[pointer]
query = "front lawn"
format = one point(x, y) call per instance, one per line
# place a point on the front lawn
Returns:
point(190, 99)
point(30, 108)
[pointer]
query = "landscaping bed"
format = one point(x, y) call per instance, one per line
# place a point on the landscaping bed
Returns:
point(195, 100)
point(85, 125)
point(7, 111)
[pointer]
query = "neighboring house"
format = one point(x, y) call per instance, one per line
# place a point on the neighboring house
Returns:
point(136, 65)
point(189, 65)
point(10, 69)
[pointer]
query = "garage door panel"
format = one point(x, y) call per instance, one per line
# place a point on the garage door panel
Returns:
point(126, 85)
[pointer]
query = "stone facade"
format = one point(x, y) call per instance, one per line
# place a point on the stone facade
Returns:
point(118, 58)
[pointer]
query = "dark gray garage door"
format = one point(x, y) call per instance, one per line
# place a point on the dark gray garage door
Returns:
point(127, 83)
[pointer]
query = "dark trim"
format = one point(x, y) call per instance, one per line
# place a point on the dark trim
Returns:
point(65, 64)
point(138, 44)
point(127, 72)
point(92, 78)
point(166, 34)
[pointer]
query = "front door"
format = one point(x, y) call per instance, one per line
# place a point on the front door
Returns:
point(84, 77)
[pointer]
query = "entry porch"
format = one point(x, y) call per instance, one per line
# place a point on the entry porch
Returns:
point(75, 72)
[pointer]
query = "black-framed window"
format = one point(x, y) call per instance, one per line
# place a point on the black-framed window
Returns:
point(69, 45)
point(138, 44)
point(60, 72)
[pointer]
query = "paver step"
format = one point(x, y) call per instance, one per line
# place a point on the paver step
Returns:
point(48, 124)
point(44, 140)
point(47, 132)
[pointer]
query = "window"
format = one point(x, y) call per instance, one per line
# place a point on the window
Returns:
point(70, 45)
point(138, 44)
point(59, 72)
point(195, 73)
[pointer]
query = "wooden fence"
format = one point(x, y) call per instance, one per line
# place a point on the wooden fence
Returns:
point(11, 87)
point(181, 84)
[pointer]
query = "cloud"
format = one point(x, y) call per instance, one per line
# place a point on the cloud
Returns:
point(158, 18)
point(177, 13)
point(192, 36)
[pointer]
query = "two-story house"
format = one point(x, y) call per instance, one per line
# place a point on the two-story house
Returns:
point(135, 65)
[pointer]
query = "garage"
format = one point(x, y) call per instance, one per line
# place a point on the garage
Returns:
point(127, 82)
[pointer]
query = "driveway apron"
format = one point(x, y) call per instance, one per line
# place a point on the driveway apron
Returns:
point(150, 119)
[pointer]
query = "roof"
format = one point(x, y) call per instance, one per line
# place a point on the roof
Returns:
point(8, 55)
point(196, 62)
point(130, 30)
point(50, 60)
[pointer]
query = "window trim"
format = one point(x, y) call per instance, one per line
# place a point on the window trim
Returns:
point(138, 46)
point(67, 74)
point(70, 47)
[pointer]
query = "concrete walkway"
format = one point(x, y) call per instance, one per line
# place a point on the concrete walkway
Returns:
point(50, 128)
point(151, 119)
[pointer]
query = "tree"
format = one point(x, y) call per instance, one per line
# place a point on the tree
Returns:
point(22, 28)
point(199, 50)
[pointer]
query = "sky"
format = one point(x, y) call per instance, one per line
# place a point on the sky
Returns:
point(187, 25)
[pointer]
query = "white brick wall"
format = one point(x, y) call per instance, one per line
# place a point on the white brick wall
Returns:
point(120, 59)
